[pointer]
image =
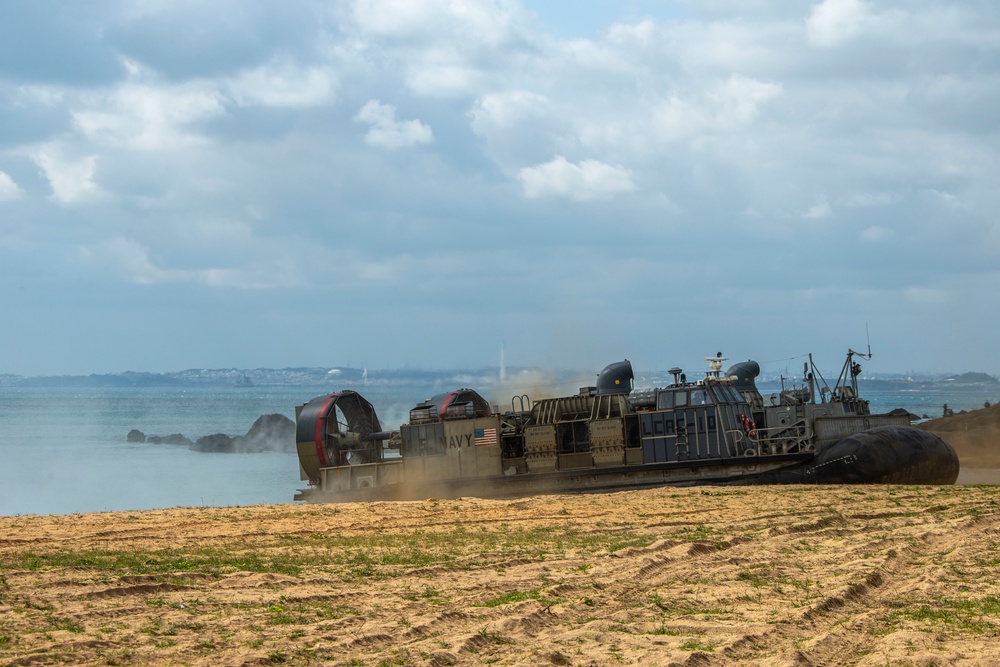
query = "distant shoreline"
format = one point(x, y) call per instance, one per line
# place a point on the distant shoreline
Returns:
point(479, 377)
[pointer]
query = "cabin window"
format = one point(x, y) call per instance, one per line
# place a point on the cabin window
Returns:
point(680, 398)
point(699, 397)
point(722, 394)
point(665, 400)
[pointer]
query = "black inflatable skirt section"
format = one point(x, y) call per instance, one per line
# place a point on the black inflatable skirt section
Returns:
point(883, 455)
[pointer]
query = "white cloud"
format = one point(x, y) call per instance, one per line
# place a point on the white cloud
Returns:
point(877, 234)
point(587, 180)
point(282, 84)
point(443, 48)
point(642, 33)
point(443, 74)
point(719, 107)
point(819, 210)
point(132, 260)
point(435, 20)
point(832, 22)
point(387, 132)
point(946, 198)
point(148, 115)
point(715, 47)
point(9, 190)
point(71, 180)
point(129, 258)
point(736, 101)
point(32, 96)
point(739, 125)
point(500, 111)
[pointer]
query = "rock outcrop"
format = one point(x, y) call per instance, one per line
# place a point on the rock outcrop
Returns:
point(172, 439)
point(270, 433)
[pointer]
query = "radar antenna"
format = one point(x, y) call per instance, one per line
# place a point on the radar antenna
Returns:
point(847, 381)
point(715, 365)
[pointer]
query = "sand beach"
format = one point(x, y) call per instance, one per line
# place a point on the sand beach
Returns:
point(776, 576)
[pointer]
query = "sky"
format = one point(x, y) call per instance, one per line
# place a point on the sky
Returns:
point(416, 183)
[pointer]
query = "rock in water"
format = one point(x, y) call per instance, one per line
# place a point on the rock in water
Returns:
point(270, 433)
point(218, 442)
point(172, 439)
point(273, 432)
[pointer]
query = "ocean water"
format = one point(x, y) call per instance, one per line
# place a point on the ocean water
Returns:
point(64, 450)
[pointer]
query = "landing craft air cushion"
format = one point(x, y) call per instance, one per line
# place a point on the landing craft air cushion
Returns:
point(716, 430)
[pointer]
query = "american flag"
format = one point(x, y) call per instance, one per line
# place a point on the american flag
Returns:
point(485, 436)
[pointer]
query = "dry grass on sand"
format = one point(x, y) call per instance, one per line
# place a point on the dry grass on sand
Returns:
point(817, 575)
